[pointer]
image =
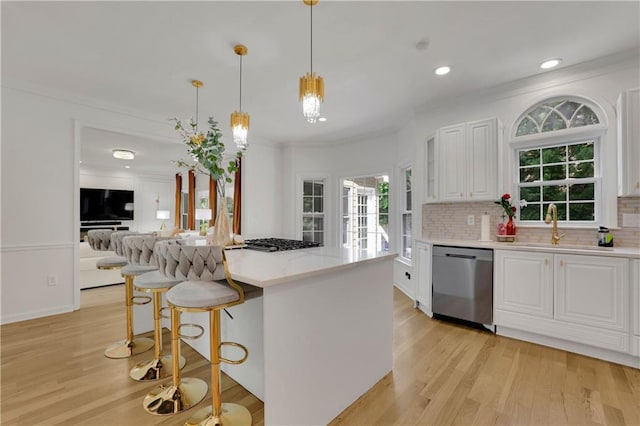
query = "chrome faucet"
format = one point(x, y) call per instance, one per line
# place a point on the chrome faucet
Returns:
point(554, 231)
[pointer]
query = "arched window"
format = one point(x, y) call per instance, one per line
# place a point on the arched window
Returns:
point(556, 149)
point(556, 115)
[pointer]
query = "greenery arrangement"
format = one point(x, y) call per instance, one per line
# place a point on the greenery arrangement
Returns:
point(208, 152)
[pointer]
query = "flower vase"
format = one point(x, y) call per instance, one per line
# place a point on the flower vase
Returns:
point(222, 230)
point(511, 226)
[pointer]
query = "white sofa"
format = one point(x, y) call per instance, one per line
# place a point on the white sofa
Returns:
point(90, 276)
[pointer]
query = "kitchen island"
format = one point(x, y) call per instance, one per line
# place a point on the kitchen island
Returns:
point(319, 336)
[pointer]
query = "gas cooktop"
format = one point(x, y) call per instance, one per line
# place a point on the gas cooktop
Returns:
point(279, 244)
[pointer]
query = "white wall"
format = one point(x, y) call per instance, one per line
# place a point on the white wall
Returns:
point(39, 161)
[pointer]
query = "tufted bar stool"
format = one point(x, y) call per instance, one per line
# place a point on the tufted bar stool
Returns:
point(100, 240)
point(156, 283)
point(201, 268)
point(134, 255)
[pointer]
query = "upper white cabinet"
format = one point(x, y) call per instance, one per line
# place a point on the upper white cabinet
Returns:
point(431, 171)
point(629, 143)
point(467, 161)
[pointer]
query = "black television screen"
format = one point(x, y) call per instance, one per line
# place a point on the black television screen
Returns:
point(105, 204)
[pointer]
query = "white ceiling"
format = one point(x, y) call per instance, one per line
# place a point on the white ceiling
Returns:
point(143, 55)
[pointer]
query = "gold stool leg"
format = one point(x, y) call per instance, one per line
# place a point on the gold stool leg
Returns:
point(218, 413)
point(160, 367)
point(131, 346)
point(179, 394)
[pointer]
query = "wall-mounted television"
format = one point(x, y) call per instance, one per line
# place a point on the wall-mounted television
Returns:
point(105, 204)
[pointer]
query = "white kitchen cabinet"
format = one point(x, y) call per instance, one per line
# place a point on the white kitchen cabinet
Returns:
point(467, 161)
point(422, 264)
point(629, 143)
point(523, 282)
point(431, 170)
point(581, 299)
point(592, 291)
point(635, 307)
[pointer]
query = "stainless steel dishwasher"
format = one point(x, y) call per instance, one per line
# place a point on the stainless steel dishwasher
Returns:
point(463, 283)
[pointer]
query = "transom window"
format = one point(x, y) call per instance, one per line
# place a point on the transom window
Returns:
point(556, 115)
point(552, 168)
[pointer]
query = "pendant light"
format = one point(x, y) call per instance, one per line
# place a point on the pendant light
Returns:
point(311, 85)
point(239, 119)
point(194, 135)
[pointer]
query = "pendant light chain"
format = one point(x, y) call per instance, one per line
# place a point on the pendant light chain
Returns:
point(197, 89)
point(241, 83)
point(311, 36)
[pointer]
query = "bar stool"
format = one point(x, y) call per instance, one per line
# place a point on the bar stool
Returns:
point(100, 240)
point(156, 283)
point(201, 266)
point(130, 346)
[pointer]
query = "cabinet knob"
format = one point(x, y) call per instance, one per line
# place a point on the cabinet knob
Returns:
point(546, 261)
point(471, 195)
point(561, 263)
point(461, 195)
point(638, 184)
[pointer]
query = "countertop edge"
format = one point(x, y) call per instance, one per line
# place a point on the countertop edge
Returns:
point(308, 274)
point(626, 252)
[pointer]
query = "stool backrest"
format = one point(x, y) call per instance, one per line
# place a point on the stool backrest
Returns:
point(100, 239)
point(138, 249)
point(187, 262)
point(116, 241)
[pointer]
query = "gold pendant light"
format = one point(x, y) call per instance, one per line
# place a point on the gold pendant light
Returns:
point(239, 119)
point(311, 85)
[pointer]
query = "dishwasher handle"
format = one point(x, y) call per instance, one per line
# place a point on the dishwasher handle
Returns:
point(461, 256)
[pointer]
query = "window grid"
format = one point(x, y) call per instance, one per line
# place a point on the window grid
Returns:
point(561, 174)
point(313, 210)
point(365, 213)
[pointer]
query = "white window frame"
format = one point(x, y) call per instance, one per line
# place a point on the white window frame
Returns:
point(603, 149)
point(314, 214)
point(404, 211)
point(390, 213)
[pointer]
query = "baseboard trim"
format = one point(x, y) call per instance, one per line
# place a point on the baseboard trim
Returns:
point(38, 246)
point(25, 316)
point(579, 348)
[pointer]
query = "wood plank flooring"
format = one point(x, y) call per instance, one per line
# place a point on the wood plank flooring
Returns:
point(54, 373)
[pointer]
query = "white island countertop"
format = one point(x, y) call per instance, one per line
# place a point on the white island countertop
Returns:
point(265, 269)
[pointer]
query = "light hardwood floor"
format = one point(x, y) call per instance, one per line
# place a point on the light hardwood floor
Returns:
point(54, 373)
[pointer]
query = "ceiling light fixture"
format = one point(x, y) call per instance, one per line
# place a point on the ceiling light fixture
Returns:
point(550, 63)
point(311, 85)
point(197, 84)
point(123, 154)
point(239, 119)
point(442, 70)
point(323, 119)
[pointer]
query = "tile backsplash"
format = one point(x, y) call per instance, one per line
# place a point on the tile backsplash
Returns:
point(449, 221)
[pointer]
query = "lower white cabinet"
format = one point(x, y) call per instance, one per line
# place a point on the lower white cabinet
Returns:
point(577, 298)
point(422, 259)
point(524, 282)
point(592, 291)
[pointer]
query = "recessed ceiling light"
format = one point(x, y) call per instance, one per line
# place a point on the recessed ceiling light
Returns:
point(323, 119)
point(442, 70)
point(550, 63)
point(123, 154)
point(127, 167)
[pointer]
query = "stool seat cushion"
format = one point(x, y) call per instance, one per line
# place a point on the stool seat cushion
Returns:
point(136, 270)
point(111, 262)
point(201, 294)
point(154, 280)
